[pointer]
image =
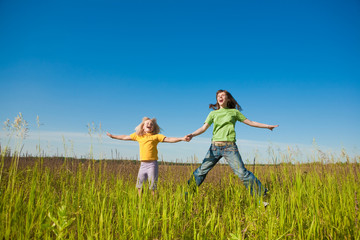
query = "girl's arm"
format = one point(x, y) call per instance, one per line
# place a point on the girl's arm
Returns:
point(174, 139)
point(119, 137)
point(198, 132)
point(259, 125)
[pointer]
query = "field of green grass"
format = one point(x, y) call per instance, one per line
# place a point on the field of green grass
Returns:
point(59, 198)
point(66, 198)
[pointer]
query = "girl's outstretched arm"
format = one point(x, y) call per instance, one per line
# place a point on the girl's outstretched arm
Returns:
point(119, 137)
point(174, 139)
point(197, 132)
point(259, 125)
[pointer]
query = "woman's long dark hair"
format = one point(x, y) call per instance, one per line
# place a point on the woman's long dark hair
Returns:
point(232, 103)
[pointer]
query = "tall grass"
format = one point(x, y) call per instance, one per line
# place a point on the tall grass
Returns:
point(66, 198)
point(73, 199)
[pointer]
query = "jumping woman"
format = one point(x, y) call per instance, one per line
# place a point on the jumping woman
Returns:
point(226, 113)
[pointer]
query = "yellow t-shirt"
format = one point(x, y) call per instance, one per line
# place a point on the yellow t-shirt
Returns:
point(148, 145)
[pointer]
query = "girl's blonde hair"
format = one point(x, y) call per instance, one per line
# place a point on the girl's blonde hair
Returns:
point(140, 130)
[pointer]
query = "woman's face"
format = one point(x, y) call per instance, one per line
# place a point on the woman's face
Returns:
point(148, 126)
point(222, 99)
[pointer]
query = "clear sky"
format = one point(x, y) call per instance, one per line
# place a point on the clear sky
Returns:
point(292, 63)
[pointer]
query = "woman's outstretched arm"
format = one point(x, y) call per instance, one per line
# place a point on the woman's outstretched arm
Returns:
point(198, 132)
point(119, 137)
point(259, 125)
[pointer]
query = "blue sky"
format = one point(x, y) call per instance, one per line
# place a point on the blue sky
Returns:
point(292, 63)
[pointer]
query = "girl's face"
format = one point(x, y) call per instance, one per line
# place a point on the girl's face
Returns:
point(222, 99)
point(148, 126)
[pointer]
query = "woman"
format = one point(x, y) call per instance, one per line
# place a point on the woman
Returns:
point(227, 112)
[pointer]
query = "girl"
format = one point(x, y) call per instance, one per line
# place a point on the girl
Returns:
point(147, 134)
point(227, 112)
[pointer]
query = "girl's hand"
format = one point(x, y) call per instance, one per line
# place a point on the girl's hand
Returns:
point(109, 134)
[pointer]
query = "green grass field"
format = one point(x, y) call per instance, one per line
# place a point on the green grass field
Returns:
point(57, 198)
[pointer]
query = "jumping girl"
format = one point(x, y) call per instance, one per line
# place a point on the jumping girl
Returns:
point(226, 114)
point(147, 134)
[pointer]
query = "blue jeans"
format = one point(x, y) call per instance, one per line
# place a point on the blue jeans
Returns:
point(231, 154)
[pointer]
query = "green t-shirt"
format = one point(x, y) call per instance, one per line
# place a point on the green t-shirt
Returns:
point(224, 121)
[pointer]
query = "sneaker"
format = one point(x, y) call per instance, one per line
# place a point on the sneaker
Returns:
point(266, 204)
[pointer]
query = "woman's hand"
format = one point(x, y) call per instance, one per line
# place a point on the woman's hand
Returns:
point(197, 132)
point(188, 137)
point(259, 125)
point(271, 127)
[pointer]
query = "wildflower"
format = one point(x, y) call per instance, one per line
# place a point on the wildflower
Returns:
point(20, 126)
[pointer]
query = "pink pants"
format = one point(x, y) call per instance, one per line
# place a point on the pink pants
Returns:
point(148, 170)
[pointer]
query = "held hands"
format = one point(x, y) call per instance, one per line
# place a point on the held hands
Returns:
point(183, 139)
point(188, 137)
